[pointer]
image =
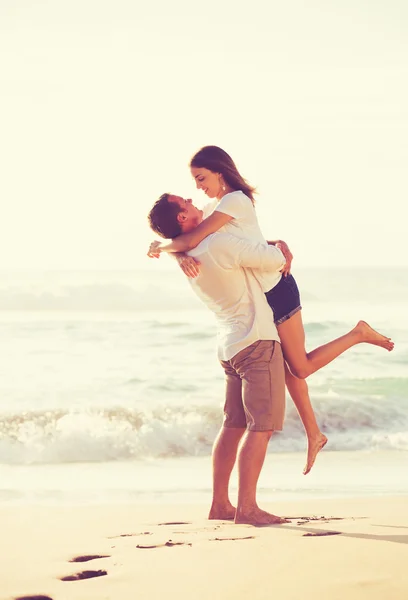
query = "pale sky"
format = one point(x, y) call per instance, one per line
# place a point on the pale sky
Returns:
point(103, 102)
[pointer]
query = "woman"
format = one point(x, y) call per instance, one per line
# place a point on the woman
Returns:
point(233, 210)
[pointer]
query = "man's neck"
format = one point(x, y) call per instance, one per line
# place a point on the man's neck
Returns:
point(187, 227)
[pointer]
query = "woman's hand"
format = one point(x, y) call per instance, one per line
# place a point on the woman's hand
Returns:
point(154, 249)
point(284, 248)
point(189, 265)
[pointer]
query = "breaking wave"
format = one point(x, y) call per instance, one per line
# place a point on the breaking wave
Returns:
point(100, 435)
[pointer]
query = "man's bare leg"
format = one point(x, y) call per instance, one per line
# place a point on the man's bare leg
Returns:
point(250, 460)
point(224, 456)
point(299, 392)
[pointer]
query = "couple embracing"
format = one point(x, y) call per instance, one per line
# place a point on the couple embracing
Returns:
point(246, 282)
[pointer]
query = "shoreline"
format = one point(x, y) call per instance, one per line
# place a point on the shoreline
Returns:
point(336, 475)
point(355, 548)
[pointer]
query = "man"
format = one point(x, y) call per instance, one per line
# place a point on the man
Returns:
point(248, 348)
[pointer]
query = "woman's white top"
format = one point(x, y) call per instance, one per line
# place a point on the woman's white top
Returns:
point(244, 224)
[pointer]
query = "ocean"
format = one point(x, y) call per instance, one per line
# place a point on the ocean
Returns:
point(110, 389)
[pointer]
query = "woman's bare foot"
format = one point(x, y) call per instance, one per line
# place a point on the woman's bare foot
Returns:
point(222, 512)
point(256, 516)
point(314, 446)
point(371, 336)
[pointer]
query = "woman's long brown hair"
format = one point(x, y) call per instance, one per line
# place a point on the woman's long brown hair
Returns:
point(217, 160)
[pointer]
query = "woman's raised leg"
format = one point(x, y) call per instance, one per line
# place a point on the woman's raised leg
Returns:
point(302, 363)
point(299, 392)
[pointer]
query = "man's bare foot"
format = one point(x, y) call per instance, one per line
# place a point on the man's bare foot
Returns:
point(313, 448)
point(256, 516)
point(371, 336)
point(222, 512)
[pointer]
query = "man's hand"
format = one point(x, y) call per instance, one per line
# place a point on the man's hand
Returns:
point(284, 248)
point(189, 265)
point(154, 250)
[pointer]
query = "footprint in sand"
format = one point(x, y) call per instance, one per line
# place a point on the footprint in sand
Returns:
point(113, 537)
point(168, 544)
point(84, 575)
point(321, 533)
point(175, 523)
point(33, 598)
point(305, 520)
point(88, 557)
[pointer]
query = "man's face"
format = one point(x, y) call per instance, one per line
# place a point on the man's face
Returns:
point(190, 216)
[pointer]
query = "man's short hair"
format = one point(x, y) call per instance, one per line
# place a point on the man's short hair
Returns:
point(163, 217)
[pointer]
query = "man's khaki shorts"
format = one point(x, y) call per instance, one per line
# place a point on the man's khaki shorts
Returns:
point(255, 388)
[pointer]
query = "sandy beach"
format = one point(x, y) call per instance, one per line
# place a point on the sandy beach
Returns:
point(354, 548)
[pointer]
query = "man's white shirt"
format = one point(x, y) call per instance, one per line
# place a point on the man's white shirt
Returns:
point(244, 224)
point(227, 285)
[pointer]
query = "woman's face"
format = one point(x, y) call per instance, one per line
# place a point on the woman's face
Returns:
point(207, 181)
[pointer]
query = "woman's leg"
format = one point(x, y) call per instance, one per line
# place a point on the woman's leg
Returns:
point(299, 392)
point(302, 363)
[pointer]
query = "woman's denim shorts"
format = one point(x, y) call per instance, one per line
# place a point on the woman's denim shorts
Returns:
point(284, 299)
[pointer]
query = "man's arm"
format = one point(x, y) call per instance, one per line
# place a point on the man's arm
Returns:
point(231, 252)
